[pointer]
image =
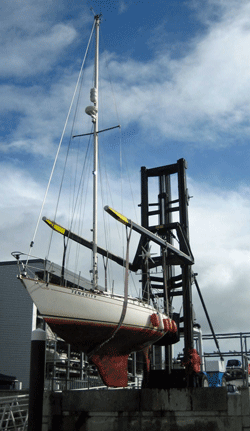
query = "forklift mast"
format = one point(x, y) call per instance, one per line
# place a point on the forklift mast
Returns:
point(172, 226)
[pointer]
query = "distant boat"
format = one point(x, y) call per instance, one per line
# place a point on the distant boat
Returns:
point(105, 326)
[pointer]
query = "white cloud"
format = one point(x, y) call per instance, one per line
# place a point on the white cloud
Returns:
point(40, 115)
point(200, 98)
point(34, 34)
point(20, 198)
point(27, 56)
point(122, 7)
point(30, 43)
point(220, 238)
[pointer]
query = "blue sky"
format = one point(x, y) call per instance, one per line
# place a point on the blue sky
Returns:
point(181, 80)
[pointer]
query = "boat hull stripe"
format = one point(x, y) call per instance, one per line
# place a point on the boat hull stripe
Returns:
point(62, 321)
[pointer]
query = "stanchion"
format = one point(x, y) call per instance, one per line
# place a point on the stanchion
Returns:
point(37, 362)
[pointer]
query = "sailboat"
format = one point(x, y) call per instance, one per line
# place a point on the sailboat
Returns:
point(106, 326)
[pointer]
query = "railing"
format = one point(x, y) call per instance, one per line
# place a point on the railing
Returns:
point(67, 369)
point(88, 382)
point(14, 413)
point(62, 383)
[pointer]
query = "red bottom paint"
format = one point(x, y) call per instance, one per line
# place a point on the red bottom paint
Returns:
point(111, 359)
point(87, 336)
point(113, 369)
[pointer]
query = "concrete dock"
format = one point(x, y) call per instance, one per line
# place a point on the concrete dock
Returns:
point(196, 409)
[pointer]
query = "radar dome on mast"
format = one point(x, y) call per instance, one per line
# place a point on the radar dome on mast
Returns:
point(92, 111)
point(93, 95)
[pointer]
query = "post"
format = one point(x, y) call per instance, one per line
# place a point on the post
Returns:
point(68, 368)
point(95, 166)
point(186, 268)
point(37, 363)
point(144, 223)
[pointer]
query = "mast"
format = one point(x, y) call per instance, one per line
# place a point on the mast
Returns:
point(94, 98)
point(93, 112)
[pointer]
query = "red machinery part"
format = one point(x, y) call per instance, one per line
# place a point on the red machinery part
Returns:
point(154, 319)
point(166, 325)
point(195, 360)
point(174, 327)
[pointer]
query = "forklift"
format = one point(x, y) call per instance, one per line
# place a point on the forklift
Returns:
point(169, 274)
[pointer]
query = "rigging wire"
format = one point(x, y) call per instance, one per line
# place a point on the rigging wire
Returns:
point(58, 199)
point(71, 135)
point(107, 234)
point(60, 143)
point(78, 191)
point(79, 84)
point(122, 156)
point(109, 78)
point(130, 187)
point(121, 159)
point(82, 205)
point(105, 180)
point(137, 290)
point(120, 144)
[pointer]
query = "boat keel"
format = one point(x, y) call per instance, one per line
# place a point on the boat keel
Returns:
point(113, 369)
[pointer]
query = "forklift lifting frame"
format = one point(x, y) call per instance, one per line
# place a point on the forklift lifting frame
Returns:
point(170, 285)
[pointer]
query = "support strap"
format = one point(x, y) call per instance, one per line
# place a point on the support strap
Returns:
point(125, 302)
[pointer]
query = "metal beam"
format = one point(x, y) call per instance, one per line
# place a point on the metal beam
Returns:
point(184, 258)
point(207, 316)
point(88, 244)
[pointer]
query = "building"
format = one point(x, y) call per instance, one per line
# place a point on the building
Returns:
point(15, 323)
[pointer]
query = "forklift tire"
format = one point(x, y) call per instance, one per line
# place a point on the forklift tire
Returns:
point(204, 381)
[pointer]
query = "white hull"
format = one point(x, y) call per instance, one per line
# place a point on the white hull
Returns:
point(70, 303)
point(89, 321)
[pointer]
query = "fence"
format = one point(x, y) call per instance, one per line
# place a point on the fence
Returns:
point(67, 369)
point(14, 413)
